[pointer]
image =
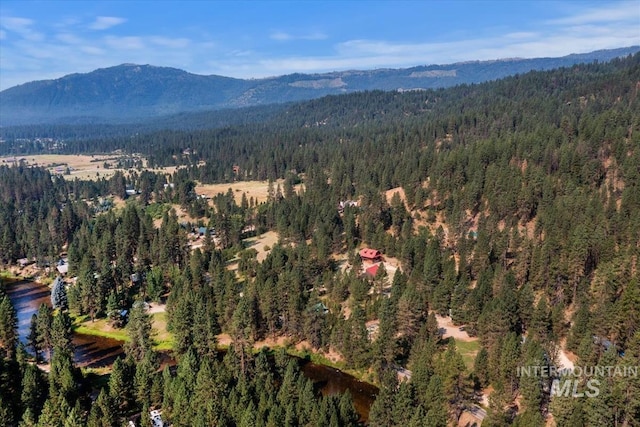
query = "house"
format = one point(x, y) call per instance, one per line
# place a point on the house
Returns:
point(156, 418)
point(368, 254)
point(320, 308)
point(202, 231)
point(372, 271)
point(62, 266)
point(605, 343)
point(23, 262)
point(346, 203)
point(145, 305)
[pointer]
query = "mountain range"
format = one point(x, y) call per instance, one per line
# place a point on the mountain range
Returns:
point(129, 92)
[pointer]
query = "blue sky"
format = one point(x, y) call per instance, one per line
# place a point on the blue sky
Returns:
point(49, 39)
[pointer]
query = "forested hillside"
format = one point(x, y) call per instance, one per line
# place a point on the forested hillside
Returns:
point(514, 208)
point(131, 93)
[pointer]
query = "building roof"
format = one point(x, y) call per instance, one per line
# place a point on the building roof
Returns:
point(370, 253)
point(373, 270)
point(320, 308)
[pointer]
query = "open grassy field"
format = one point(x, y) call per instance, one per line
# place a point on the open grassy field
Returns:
point(256, 189)
point(100, 327)
point(468, 350)
point(162, 339)
point(81, 166)
point(263, 243)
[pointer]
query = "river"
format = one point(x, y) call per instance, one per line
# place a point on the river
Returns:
point(92, 351)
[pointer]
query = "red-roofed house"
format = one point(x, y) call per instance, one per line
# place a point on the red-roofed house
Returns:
point(372, 271)
point(369, 254)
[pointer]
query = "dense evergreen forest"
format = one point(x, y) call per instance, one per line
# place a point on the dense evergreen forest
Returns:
point(516, 212)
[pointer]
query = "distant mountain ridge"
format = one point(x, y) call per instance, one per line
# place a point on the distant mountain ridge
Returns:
point(130, 92)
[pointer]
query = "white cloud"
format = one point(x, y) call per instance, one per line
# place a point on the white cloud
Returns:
point(280, 36)
point(16, 24)
point(68, 38)
point(92, 50)
point(126, 42)
point(521, 35)
point(177, 43)
point(616, 12)
point(240, 53)
point(315, 36)
point(21, 26)
point(284, 36)
point(106, 22)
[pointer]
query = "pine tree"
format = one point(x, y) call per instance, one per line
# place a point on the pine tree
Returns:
point(580, 327)
point(155, 283)
point(61, 332)
point(121, 385)
point(59, 293)
point(139, 331)
point(103, 411)
point(6, 413)
point(628, 312)
point(51, 415)
point(143, 380)
point(243, 335)
point(435, 402)
point(33, 390)
point(28, 419)
point(456, 383)
point(74, 419)
point(481, 367)
point(381, 410)
point(8, 328)
point(32, 338)
point(43, 328)
point(63, 379)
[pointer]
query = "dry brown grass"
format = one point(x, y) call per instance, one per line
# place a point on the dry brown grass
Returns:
point(261, 242)
point(389, 195)
point(256, 189)
point(83, 167)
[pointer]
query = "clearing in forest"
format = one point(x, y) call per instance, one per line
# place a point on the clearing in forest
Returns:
point(256, 189)
point(262, 243)
point(81, 166)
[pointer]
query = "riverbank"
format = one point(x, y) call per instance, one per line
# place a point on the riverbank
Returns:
point(162, 339)
point(97, 345)
point(302, 350)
